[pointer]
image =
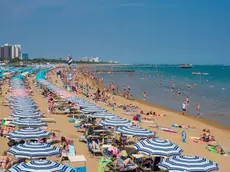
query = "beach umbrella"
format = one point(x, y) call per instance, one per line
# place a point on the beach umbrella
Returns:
point(135, 131)
point(158, 147)
point(28, 122)
point(26, 114)
point(34, 150)
point(28, 134)
point(188, 164)
point(115, 122)
point(40, 166)
point(101, 115)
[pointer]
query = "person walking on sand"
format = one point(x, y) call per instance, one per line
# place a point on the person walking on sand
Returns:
point(184, 108)
point(198, 110)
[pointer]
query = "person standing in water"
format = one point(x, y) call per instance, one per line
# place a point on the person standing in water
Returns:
point(198, 110)
point(187, 103)
point(160, 85)
point(184, 108)
point(144, 96)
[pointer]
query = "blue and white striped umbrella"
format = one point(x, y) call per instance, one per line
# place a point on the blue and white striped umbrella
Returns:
point(28, 122)
point(26, 115)
point(135, 131)
point(188, 164)
point(40, 166)
point(34, 150)
point(115, 122)
point(158, 147)
point(102, 115)
point(28, 134)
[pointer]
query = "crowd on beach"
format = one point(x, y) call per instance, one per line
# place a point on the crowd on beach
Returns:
point(85, 83)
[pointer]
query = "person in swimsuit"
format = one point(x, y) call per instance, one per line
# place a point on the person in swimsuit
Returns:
point(198, 110)
point(184, 108)
point(187, 100)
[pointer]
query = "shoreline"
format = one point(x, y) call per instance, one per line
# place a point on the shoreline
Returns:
point(167, 109)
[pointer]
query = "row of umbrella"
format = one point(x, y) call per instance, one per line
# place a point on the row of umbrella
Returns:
point(25, 109)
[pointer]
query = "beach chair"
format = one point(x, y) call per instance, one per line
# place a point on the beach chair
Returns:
point(94, 151)
point(115, 168)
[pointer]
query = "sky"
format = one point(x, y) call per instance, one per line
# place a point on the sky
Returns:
point(128, 31)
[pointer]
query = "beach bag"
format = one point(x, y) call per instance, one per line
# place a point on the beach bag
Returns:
point(135, 118)
point(102, 163)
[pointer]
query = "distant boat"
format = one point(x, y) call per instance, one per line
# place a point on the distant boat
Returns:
point(185, 66)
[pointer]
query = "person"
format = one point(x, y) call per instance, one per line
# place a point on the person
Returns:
point(94, 145)
point(184, 108)
point(5, 161)
point(65, 147)
point(144, 96)
point(50, 104)
point(187, 100)
point(123, 140)
point(129, 89)
point(122, 163)
point(113, 150)
point(198, 110)
point(160, 85)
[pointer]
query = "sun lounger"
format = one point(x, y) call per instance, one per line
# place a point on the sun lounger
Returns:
point(129, 167)
point(48, 120)
point(94, 151)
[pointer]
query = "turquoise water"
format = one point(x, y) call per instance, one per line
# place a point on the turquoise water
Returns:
point(211, 92)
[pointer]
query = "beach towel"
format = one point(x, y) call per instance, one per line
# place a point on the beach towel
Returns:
point(217, 149)
point(165, 129)
point(183, 126)
point(102, 163)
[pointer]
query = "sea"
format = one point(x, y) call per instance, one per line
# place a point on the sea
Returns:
point(210, 87)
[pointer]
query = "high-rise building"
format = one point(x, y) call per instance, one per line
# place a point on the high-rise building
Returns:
point(18, 51)
point(13, 51)
point(1, 53)
point(7, 51)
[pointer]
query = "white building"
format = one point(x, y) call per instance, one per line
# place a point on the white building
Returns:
point(18, 51)
point(88, 59)
point(13, 52)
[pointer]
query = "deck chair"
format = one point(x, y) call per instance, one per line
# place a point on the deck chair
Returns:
point(93, 151)
point(113, 167)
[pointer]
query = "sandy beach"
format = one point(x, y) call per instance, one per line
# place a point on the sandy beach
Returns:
point(221, 133)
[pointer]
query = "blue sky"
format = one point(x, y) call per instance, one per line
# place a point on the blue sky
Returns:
point(130, 31)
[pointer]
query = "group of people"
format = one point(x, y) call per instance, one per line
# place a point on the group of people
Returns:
point(185, 106)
